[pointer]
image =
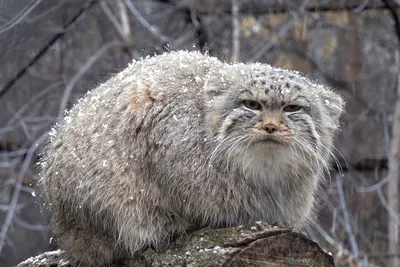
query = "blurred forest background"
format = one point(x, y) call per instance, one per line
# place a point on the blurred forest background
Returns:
point(52, 52)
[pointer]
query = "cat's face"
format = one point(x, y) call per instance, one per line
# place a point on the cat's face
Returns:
point(271, 114)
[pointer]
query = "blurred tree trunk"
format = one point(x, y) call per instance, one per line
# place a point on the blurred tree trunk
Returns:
point(235, 31)
point(393, 189)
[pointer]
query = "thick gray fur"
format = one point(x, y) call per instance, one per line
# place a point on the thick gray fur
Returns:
point(167, 146)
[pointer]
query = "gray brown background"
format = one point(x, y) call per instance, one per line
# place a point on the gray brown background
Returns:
point(350, 45)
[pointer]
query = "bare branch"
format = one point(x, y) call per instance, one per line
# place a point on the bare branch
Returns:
point(46, 47)
point(79, 74)
point(146, 24)
point(123, 27)
point(29, 226)
point(28, 104)
point(384, 202)
point(24, 12)
point(361, 7)
point(331, 240)
point(111, 16)
point(392, 8)
point(393, 184)
point(17, 189)
point(235, 31)
point(348, 228)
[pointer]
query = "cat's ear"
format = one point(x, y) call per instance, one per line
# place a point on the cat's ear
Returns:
point(219, 79)
point(333, 103)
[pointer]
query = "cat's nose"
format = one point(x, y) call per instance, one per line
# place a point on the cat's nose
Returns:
point(270, 128)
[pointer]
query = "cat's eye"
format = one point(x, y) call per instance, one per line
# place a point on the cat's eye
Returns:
point(251, 104)
point(292, 108)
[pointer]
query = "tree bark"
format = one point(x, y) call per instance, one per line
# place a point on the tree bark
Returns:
point(260, 244)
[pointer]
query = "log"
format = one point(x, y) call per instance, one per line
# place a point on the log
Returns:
point(260, 244)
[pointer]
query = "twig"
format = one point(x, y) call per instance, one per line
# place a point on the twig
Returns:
point(25, 107)
point(46, 47)
point(45, 12)
point(331, 240)
point(29, 226)
point(282, 32)
point(200, 31)
point(24, 12)
point(343, 206)
point(110, 16)
point(123, 27)
point(385, 180)
point(146, 24)
point(78, 75)
point(259, 8)
point(384, 202)
point(266, 47)
point(17, 190)
point(392, 9)
point(235, 31)
point(361, 7)
point(394, 156)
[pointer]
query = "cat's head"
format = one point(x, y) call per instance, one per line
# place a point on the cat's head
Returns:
point(263, 114)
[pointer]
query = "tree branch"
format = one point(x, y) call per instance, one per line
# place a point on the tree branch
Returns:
point(235, 31)
point(123, 27)
point(262, 7)
point(394, 155)
point(46, 47)
point(392, 9)
point(259, 244)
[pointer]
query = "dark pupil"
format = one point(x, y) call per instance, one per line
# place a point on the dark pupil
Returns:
point(292, 108)
point(252, 104)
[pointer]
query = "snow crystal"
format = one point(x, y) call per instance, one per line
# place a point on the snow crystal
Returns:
point(68, 119)
point(285, 91)
point(52, 132)
point(41, 259)
point(55, 253)
point(216, 249)
point(63, 262)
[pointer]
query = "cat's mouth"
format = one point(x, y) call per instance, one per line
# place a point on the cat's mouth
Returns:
point(270, 139)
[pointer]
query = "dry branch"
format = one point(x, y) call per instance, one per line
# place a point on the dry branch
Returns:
point(85, 7)
point(251, 245)
point(235, 31)
point(262, 7)
point(394, 156)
